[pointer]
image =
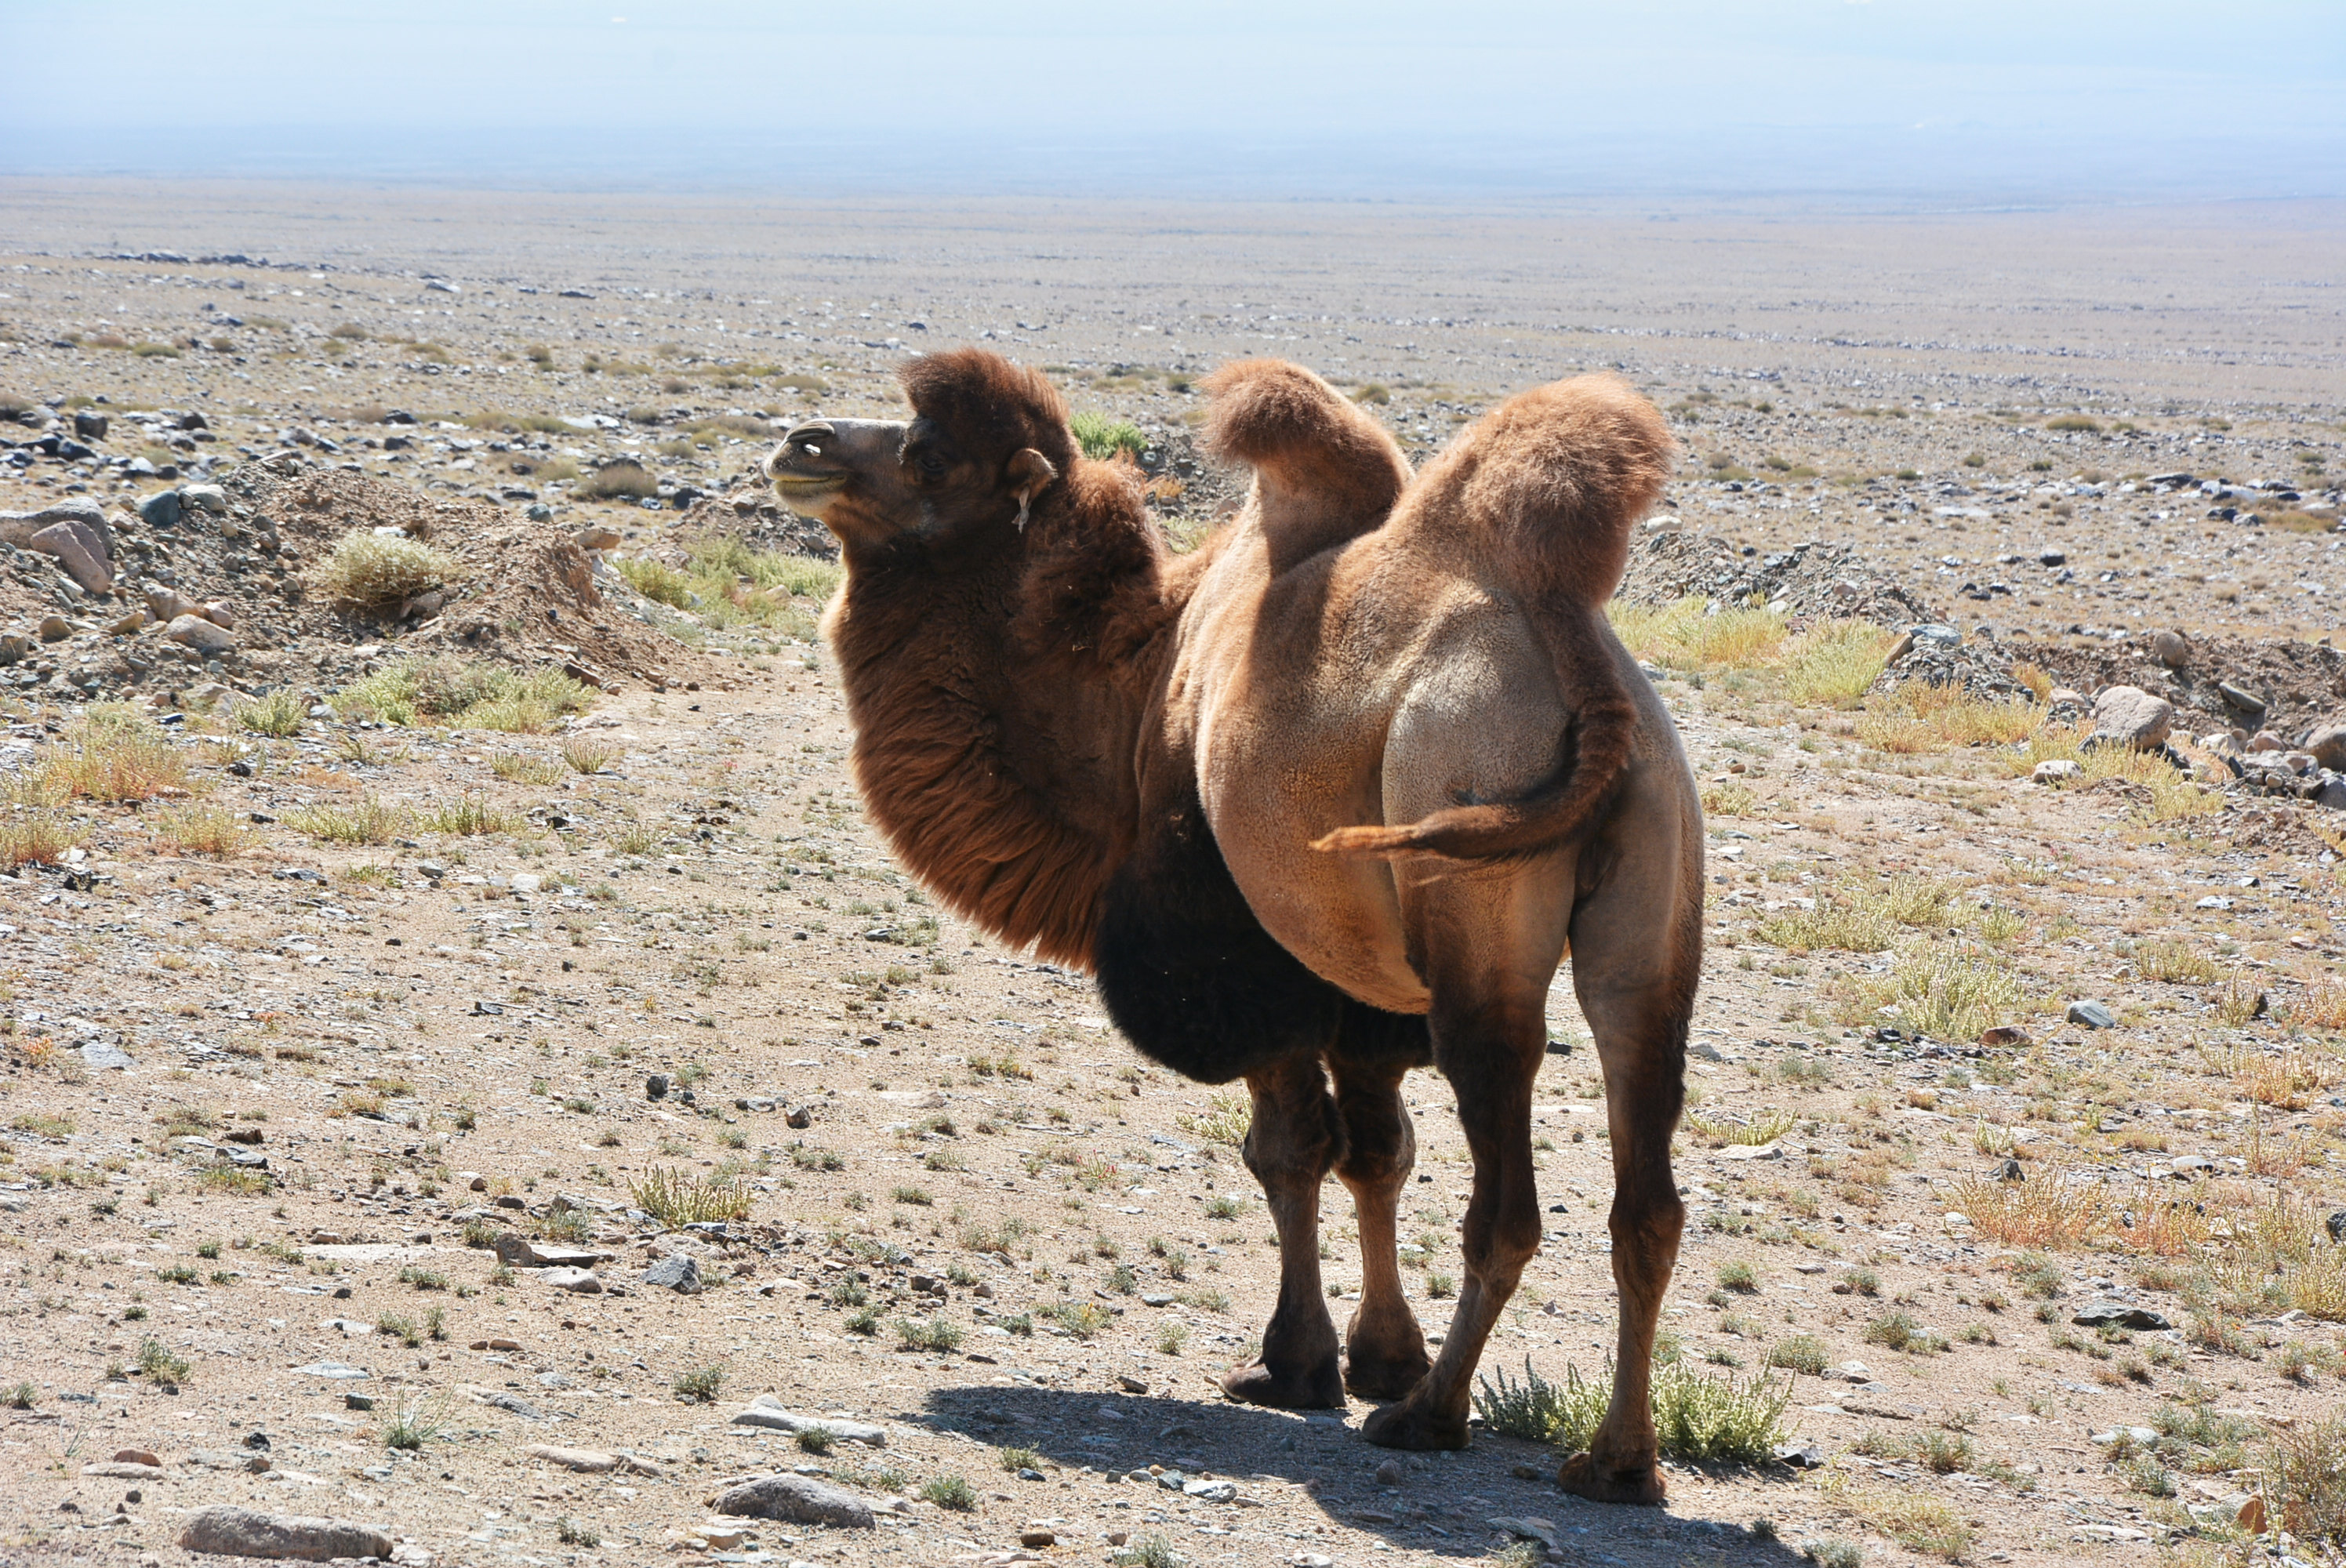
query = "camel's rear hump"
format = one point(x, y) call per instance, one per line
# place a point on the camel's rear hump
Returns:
point(1550, 484)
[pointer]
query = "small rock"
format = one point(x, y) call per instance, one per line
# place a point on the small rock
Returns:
point(2010, 1171)
point(584, 1281)
point(2129, 716)
point(89, 424)
point(675, 1272)
point(655, 1086)
point(1800, 1456)
point(161, 510)
point(1211, 1491)
point(2003, 1034)
point(1389, 1473)
point(2091, 1014)
point(208, 498)
point(136, 1456)
point(800, 1117)
point(55, 628)
point(2327, 742)
point(526, 883)
point(1032, 1538)
point(597, 537)
point(2117, 1314)
point(243, 1532)
point(2239, 697)
point(2251, 1516)
point(124, 1469)
point(199, 633)
point(799, 1499)
point(79, 551)
point(2171, 649)
point(2053, 770)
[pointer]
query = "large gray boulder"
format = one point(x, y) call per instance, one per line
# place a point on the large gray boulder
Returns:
point(2327, 742)
point(2129, 716)
point(800, 1499)
point(228, 1532)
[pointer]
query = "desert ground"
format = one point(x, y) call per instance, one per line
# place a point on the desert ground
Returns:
point(472, 1073)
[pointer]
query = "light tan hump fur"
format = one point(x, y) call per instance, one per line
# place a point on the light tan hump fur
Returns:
point(1305, 440)
point(1545, 488)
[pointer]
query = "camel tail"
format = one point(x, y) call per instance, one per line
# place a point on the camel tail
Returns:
point(1546, 489)
point(1304, 438)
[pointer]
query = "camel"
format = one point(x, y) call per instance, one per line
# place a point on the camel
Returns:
point(1326, 799)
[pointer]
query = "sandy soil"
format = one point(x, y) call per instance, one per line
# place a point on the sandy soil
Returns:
point(431, 1053)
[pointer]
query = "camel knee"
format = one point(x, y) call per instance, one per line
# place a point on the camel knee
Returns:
point(1646, 1230)
point(1500, 1249)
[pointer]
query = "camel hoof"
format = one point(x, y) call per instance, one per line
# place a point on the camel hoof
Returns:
point(1639, 1485)
point(1406, 1426)
point(1319, 1388)
point(1385, 1377)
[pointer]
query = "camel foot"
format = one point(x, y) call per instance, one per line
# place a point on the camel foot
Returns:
point(1315, 1387)
point(1406, 1425)
point(1369, 1375)
point(1639, 1485)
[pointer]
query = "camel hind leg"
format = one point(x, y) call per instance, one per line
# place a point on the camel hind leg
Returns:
point(1637, 941)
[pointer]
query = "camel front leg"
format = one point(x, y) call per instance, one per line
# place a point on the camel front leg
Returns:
point(1384, 1349)
point(1295, 1138)
point(1490, 1050)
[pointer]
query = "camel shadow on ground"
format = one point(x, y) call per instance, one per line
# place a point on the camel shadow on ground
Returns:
point(1440, 1503)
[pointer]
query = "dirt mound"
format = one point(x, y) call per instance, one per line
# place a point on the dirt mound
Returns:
point(527, 592)
point(754, 516)
point(2300, 684)
point(1811, 579)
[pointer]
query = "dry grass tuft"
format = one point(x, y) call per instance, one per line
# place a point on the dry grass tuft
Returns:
point(2043, 1212)
point(1835, 662)
point(674, 1198)
point(201, 830)
point(375, 571)
point(1917, 718)
point(30, 836)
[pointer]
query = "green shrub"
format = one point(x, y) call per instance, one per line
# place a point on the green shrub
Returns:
point(1102, 437)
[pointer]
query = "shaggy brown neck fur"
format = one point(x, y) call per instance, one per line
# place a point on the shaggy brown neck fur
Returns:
point(998, 681)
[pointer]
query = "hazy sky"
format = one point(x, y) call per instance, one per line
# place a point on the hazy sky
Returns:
point(1690, 95)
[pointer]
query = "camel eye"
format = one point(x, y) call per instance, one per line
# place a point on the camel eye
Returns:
point(931, 465)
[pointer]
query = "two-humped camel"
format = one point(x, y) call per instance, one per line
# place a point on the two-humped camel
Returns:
point(1325, 800)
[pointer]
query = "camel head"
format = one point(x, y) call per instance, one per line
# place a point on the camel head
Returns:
point(987, 438)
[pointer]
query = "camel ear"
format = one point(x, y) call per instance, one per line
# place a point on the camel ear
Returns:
point(1029, 472)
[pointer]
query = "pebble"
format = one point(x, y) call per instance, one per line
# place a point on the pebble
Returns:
point(2171, 649)
point(584, 1281)
point(2055, 771)
point(228, 1532)
point(586, 1460)
point(2091, 1014)
point(800, 1499)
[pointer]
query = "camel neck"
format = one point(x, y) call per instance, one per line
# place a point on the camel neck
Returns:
point(999, 703)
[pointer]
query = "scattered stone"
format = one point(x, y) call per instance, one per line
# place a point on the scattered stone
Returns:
point(1800, 1456)
point(2003, 1034)
point(586, 1460)
point(2055, 771)
point(583, 1281)
point(1211, 1491)
point(769, 1412)
point(228, 1532)
point(1034, 1538)
point(124, 1469)
point(2129, 716)
point(202, 635)
point(55, 628)
point(2117, 1314)
point(655, 1086)
point(78, 551)
point(800, 1499)
point(161, 510)
point(598, 537)
point(2327, 743)
point(2010, 1171)
point(518, 1251)
point(2093, 1015)
point(2171, 649)
point(678, 1272)
point(2239, 697)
